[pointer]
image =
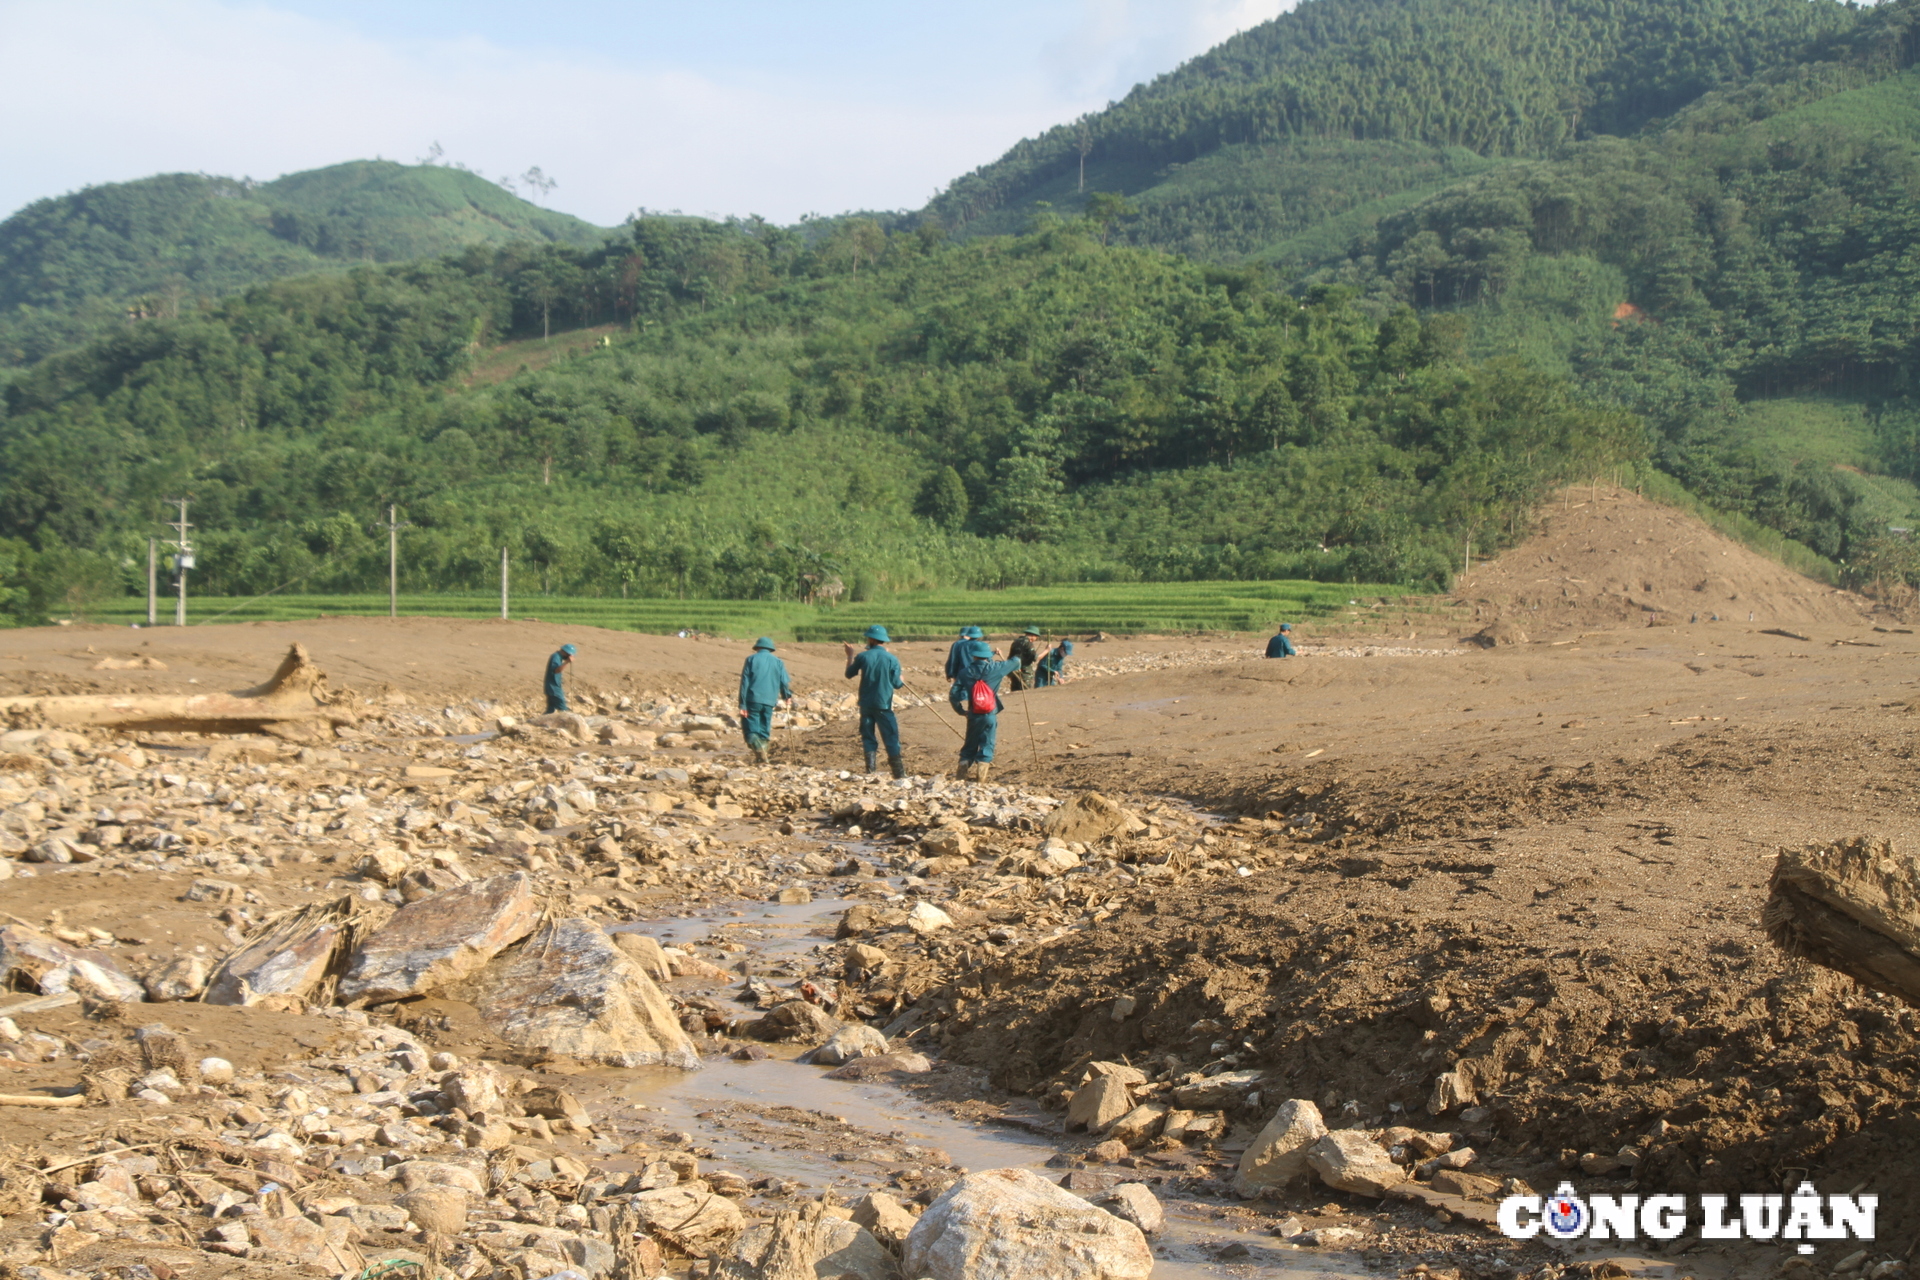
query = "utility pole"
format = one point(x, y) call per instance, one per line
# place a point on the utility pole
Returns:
point(182, 562)
point(153, 581)
point(503, 582)
point(393, 526)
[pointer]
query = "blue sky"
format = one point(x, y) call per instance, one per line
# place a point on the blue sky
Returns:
point(734, 106)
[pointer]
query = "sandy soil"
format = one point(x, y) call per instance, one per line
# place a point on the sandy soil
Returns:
point(1544, 859)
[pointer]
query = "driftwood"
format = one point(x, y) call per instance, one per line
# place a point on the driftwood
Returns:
point(295, 696)
point(1853, 907)
point(37, 1100)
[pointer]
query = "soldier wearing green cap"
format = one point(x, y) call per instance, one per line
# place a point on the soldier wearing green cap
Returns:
point(1025, 649)
point(555, 685)
point(879, 673)
point(763, 683)
point(983, 727)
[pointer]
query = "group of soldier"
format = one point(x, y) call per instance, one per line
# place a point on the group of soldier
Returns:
point(974, 672)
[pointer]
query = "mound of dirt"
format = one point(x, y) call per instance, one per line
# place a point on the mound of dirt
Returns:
point(1610, 558)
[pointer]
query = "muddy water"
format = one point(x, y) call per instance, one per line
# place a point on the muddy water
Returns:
point(880, 1126)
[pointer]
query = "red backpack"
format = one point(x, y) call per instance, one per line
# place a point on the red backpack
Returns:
point(981, 700)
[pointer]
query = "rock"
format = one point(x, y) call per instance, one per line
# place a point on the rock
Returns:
point(1012, 1224)
point(882, 1064)
point(1451, 1089)
point(550, 1103)
point(437, 941)
point(439, 1209)
point(1228, 1089)
point(1090, 816)
point(421, 883)
point(1466, 1185)
point(216, 1071)
point(1348, 1160)
point(691, 1211)
point(286, 1239)
point(1106, 1152)
point(684, 964)
point(213, 891)
point(1118, 1070)
point(805, 1245)
point(947, 844)
point(415, 1174)
point(855, 1040)
point(793, 1020)
point(30, 956)
point(863, 959)
point(925, 918)
point(1098, 1104)
point(568, 990)
point(793, 896)
point(1458, 1158)
point(885, 1217)
point(861, 918)
point(385, 864)
point(645, 952)
point(1139, 1126)
point(292, 953)
point(181, 979)
point(1133, 1202)
point(1330, 1237)
point(58, 849)
point(476, 1091)
point(1279, 1154)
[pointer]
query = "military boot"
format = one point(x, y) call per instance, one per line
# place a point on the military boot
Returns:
point(981, 770)
point(873, 762)
point(896, 765)
point(965, 771)
point(759, 755)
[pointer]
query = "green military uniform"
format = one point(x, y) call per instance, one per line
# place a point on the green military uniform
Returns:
point(763, 682)
point(879, 673)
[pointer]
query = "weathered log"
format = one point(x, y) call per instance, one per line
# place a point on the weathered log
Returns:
point(296, 694)
point(1853, 907)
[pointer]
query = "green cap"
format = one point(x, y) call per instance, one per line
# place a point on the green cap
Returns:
point(979, 650)
point(878, 632)
point(1033, 631)
point(764, 642)
point(971, 633)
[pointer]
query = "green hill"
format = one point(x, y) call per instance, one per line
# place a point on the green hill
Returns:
point(77, 265)
point(1341, 102)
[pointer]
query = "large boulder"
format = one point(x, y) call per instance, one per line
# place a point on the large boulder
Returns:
point(1012, 1224)
point(1090, 816)
point(1098, 1104)
point(1279, 1154)
point(807, 1245)
point(692, 1212)
point(439, 940)
point(51, 967)
point(1349, 1160)
point(568, 990)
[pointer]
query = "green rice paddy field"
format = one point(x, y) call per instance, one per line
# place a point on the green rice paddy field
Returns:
point(1130, 609)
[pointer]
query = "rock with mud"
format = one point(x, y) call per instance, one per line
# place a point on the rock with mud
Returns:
point(1012, 1224)
point(854, 1040)
point(807, 1245)
point(1852, 906)
point(1140, 1125)
point(37, 959)
point(883, 1064)
point(645, 952)
point(1228, 1089)
point(890, 1221)
point(568, 990)
point(691, 1213)
point(295, 953)
point(1348, 1160)
point(436, 941)
point(792, 1020)
point(1090, 816)
point(1279, 1154)
point(180, 979)
point(1098, 1104)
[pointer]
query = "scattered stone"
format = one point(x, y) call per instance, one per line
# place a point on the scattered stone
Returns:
point(1106, 1152)
point(31, 957)
point(793, 1020)
point(925, 918)
point(854, 1040)
point(1012, 1224)
point(691, 1212)
point(883, 1064)
point(292, 953)
point(806, 1244)
point(1090, 816)
point(441, 1209)
point(886, 1218)
point(1140, 1125)
point(1096, 1105)
point(184, 978)
point(1228, 1089)
point(216, 1071)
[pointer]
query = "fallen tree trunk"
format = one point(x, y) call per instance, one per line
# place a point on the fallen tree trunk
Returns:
point(296, 695)
point(1853, 907)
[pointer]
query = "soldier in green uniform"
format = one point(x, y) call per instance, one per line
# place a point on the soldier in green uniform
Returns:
point(1027, 650)
point(879, 673)
point(763, 683)
point(976, 752)
point(957, 655)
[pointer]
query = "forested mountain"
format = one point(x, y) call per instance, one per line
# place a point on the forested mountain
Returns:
point(898, 410)
point(1390, 92)
point(74, 266)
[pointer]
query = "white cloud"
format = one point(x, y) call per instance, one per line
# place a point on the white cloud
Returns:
point(101, 91)
point(1119, 43)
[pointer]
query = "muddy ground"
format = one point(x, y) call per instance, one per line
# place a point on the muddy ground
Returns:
point(1537, 859)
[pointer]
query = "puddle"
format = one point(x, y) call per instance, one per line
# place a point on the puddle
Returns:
point(719, 1107)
